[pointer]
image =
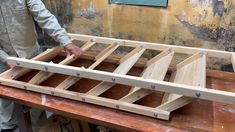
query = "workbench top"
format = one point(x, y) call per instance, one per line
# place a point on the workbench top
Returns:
point(200, 115)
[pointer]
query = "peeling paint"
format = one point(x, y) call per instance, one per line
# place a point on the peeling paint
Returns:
point(89, 13)
point(218, 7)
point(195, 23)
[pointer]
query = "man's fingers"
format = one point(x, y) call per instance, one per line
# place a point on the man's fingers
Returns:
point(73, 49)
point(68, 53)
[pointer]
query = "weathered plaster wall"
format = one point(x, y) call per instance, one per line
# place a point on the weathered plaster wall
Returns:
point(198, 23)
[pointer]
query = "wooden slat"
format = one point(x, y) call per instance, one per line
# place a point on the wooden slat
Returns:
point(17, 72)
point(189, 60)
point(127, 63)
point(102, 56)
point(155, 71)
point(42, 75)
point(159, 56)
point(193, 73)
point(133, 52)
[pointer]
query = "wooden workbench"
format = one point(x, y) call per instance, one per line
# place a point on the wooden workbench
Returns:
point(198, 116)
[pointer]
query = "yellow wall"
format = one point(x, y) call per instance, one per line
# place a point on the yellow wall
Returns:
point(199, 23)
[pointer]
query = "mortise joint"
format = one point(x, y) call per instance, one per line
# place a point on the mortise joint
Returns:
point(202, 53)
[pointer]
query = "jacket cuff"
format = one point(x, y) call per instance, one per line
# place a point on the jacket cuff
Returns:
point(3, 56)
point(65, 40)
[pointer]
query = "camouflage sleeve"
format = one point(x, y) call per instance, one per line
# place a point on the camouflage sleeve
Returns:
point(47, 21)
point(3, 56)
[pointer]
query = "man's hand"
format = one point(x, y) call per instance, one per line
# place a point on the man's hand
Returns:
point(72, 49)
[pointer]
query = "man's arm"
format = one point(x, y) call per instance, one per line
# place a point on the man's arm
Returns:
point(50, 24)
point(3, 56)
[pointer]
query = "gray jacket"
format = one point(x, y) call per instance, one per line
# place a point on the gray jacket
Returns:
point(17, 27)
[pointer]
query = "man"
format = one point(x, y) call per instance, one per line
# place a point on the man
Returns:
point(18, 38)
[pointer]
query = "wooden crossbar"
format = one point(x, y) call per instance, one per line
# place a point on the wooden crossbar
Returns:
point(156, 70)
point(102, 56)
point(42, 75)
point(16, 72)
point(191, 71)
point(127, 63)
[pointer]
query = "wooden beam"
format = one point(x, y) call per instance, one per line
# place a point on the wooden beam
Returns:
point(68, 82)
point(42, 75)
point(143, 110)
point(156, 70)
point(127, 63)
point(154, 46)
point(233, 61)
point(186, 90)
point(159, 56)
point(189, 60)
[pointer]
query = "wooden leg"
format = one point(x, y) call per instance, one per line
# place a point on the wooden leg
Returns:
point(23, 117)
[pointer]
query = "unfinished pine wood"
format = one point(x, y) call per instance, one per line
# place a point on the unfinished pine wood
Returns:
point(153, 46)
point(186, 90)
point(152, 112)
point(71, 80)
point(192, 71)
point(187, 80)
point(17, 72)
point(42, 75)
point(156, 70)
point(127, 63)
point(233, 61)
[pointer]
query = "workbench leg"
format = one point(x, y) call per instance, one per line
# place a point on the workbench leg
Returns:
point(23, 118)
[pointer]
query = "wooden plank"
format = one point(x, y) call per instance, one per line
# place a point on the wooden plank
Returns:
point(110, 48)
point(154, 46)
point(186, 90)
point(68, 82)
point(155, 71)
point(127, 63)
point(133, 52)
point(16, 72)
point(194, 74)
point(233, 61)
point(87, 45)
point(143, 110)
point(103, 55)
point(159, 56)
point(189, 60)
point(42, 75)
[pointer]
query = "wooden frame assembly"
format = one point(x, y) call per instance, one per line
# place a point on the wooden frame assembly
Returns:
point(187, 81)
